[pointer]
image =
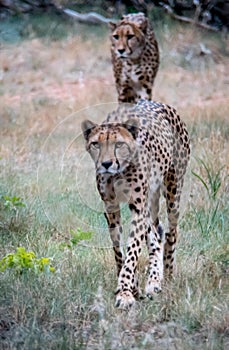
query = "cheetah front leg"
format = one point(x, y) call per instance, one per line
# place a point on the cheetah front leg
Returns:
point(154, 240)
point(113, 218)
point(127, 283)
point(155, 248)
point(145, 93)
point(126, 94)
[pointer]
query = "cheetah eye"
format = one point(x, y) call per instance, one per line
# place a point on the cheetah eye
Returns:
point(130, 36)
point(116, 37)
point(119, 144)
point(95, 145)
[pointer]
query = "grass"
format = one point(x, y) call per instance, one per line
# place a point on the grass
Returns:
point(48, 85)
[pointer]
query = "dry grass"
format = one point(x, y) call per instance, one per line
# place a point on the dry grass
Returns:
point(47, 88)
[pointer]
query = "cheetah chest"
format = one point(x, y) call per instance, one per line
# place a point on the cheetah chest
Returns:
point(131, 73)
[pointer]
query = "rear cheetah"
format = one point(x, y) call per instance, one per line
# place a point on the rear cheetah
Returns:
point(135, 57)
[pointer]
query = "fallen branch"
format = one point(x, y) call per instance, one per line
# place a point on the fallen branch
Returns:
point(91, 17)
point(95, 18)
point(188, 20)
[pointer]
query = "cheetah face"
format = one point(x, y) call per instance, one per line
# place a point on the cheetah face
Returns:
point(127, 40)
point(111, 146)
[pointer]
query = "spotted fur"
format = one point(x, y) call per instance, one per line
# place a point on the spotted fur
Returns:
point(135, 57)
point(138, 151)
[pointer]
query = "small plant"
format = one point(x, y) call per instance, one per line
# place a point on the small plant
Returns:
point(23, 261)
point(10, 209)
point(12, 203)
point(77, 237)
point(213, 182)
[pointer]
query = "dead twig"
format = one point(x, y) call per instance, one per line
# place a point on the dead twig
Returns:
point(169, 10)
point(91, 17)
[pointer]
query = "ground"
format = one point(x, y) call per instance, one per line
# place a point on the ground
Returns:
point(48, 85)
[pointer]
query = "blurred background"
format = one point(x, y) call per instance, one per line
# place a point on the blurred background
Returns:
point(212, 12)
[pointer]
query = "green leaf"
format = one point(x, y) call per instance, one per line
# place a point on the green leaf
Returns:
point(80, 236)
point(12, 202)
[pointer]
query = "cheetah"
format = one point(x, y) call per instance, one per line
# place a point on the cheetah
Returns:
point(135, 57)
point(139, 151)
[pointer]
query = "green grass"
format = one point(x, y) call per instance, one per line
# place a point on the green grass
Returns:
point(44, 197)
point(73, 307)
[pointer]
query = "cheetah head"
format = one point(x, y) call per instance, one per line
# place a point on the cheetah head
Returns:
point(128, 38)
point(112, 146)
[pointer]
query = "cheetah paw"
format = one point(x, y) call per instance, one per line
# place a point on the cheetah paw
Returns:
point(152, 289)
point(124, 300)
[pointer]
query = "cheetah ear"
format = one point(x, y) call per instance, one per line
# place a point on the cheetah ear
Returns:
point(143, 25)
point(112, 26)
point(87, 127)
point(132, 125)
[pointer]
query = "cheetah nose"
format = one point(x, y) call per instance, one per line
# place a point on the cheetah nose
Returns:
point(121, 51)
point(107, 164)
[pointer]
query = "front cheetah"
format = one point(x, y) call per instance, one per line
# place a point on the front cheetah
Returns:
point(138, 151)
point(135, 57)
